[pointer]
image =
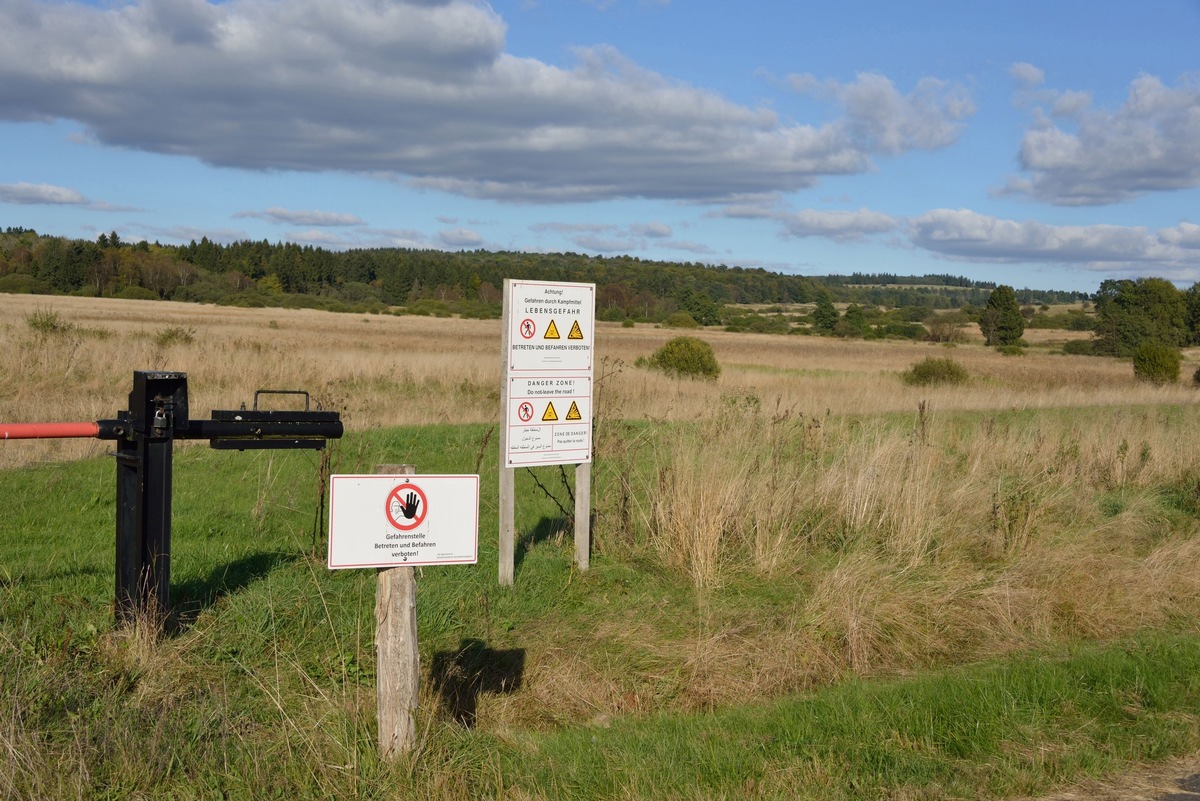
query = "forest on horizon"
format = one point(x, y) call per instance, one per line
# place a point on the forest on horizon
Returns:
point(286, 274)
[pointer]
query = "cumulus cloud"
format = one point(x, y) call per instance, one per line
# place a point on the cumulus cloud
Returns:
point(611, 238)
point(460, 238)
point(319, 219)
point(881, 119)
point(41, 194)
point(1027, 74)
point(840, 226)
point(423, 91)
point(968, 235)
point(1089, 156)
point(651, 230)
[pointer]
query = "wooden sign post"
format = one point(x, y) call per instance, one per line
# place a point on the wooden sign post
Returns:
point(396, 521)
point(397, 658)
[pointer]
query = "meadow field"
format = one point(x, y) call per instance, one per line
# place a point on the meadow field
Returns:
point(810, 579)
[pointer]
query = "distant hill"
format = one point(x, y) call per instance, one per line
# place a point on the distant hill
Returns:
point(287, 274)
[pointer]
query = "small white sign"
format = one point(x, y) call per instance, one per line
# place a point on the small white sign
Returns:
point(403, 521)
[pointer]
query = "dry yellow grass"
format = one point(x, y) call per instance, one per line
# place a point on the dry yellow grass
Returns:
point(376, 366)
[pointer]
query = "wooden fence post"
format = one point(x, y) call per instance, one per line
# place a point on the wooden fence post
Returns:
point(398, 663)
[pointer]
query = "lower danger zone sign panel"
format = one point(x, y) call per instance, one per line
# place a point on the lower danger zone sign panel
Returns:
point(403, 521)
point(549, 421)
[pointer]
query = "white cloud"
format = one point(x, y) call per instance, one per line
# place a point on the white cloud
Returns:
point(879, 119)
point(460, 238)
point(600, 244)
point(41, 194)
point(968, 235)
point(1184, 235)
point(571, 228)
point(1097, 156)
point(688, 246)
point(841, 226)
point(319, 219)
point(423, 90)
point(1027, 74)
point(651, 230)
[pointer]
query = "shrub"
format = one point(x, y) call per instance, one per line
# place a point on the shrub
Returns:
point(135, 293)
point(178, 335)
point(686, 357)
point(1156, 362)
point(933, 370)
point(47, 322)
point(628, 323)
point(1010, 350)
point(1196, 378)
point(680, 319)
point(1079, 347)
point(946, 327)
point(21, 284)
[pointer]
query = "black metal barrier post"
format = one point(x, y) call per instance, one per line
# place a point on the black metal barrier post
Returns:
point(157, 413)
point(145, 434)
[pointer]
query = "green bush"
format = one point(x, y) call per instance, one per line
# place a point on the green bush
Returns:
point(47, 322)
point(681, 319)
point(135, 293)
point(1156, 362)
point(21, 284)
point(1079, 347)
point(686, 357)
point(1010, 350)
point(932, 370)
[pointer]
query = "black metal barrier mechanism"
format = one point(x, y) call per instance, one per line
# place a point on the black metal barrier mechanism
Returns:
point(157, 416)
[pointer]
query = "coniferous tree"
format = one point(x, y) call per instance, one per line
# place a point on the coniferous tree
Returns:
point(1001, 322)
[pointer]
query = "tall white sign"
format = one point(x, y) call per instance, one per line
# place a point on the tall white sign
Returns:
point(550, 329)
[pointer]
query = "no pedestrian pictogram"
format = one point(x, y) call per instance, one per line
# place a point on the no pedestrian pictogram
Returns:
point(525, 412)
point(551, 332)
point(528, 328)
point(576, 331)
point(573, 412)
point(550, 414)
point(407, 506)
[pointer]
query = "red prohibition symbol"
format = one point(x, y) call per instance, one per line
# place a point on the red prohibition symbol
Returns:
point(528, 328)
point(525, 412)
point(406, 507)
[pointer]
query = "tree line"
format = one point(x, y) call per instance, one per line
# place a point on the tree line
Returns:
point(259, 271)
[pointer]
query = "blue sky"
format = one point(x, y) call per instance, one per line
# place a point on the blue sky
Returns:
point(1040, 144)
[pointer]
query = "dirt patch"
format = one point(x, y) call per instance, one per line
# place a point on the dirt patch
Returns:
point(1170, 780)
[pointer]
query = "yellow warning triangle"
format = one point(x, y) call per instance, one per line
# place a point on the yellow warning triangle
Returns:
point(573, 413)
point(551, 332)
point(576, 331)
point(550, 414)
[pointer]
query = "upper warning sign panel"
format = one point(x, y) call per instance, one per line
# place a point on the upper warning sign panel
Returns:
point(552, 327)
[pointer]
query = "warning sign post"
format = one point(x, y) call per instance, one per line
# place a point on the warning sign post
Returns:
point(549, 357)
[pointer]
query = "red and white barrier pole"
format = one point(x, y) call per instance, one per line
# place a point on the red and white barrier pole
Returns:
point(48, 430)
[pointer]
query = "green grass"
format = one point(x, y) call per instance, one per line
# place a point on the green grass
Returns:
point(265, 686)
point(982, 731)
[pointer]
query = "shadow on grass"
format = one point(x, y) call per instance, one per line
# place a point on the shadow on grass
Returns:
point(546, 528)
point(460, 677)
point(190, 598)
